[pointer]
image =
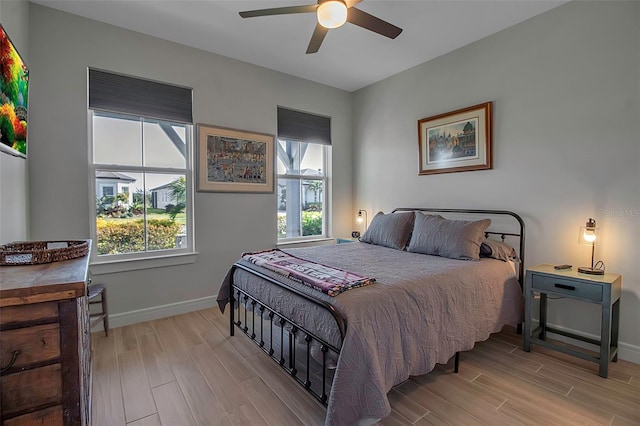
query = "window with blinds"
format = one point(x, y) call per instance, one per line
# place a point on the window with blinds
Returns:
point(304, 143)
point(140, 142)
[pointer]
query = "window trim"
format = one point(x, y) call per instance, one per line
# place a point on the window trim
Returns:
point(325, 178)
point(113, 266)
point(148, 259)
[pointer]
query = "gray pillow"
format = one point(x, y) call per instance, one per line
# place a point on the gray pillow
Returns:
point(389, 230)
point(497, 250)
point(456, 239)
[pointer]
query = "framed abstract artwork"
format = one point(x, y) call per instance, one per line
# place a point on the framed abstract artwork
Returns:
point(231, 160)
point(456, 141)
point(14, 90)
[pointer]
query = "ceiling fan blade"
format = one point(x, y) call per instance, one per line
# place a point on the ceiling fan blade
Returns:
point(351, 3)
point(279, 11)
point(370, 22)
point(316, 39)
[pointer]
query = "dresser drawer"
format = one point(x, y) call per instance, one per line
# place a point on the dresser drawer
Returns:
point(35, 344)
point(25, 313)
point(578, 289)
point(52, 416)
point(30, 389)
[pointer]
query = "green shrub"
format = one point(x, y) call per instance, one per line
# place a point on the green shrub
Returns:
point(116, 237)
point(313, 207)
point(162, 233)
point(311, 224)
point(282, 226)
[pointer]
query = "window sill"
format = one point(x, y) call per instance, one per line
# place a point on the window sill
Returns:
point(110, 267)
point(306, 243)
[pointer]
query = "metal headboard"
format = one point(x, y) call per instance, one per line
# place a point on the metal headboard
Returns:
point(503, 235)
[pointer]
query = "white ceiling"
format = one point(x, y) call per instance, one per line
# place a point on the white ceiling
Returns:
point(350, 57)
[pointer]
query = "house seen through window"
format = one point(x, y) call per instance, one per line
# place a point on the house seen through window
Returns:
point(142, 179)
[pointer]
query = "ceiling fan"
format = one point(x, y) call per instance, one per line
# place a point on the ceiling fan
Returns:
point(332, 14)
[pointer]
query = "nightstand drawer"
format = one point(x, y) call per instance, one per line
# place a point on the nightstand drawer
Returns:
point(579, 289)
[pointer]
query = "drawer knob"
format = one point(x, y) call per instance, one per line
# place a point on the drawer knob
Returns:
point(14, 357)
point(565, 287)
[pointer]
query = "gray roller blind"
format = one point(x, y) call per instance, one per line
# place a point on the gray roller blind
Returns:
point(303, 127)
point(129, 95)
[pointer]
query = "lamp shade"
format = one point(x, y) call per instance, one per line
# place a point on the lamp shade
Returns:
point(361, 217)
point(332, 13)
point(588, 236)
point(588, 233)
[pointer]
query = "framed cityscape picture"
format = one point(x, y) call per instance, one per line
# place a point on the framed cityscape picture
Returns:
point(456, 141)
point(231, 160)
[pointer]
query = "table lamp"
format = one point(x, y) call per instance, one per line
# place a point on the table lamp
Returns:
point(588, 236)
point(362, 218)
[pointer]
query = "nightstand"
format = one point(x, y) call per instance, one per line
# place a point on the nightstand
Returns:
point(345, 240)
point(601, 289)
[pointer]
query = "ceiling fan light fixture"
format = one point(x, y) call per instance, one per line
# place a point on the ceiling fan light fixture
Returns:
point(332, 13)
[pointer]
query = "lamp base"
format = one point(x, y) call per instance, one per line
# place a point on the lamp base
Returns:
point(590, 271)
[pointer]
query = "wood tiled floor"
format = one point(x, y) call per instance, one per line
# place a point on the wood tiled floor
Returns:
point(186, 370)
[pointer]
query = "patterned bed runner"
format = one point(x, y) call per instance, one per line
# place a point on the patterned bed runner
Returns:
point(326, 279)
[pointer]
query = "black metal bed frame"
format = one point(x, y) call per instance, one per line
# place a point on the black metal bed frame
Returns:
point(284, 351)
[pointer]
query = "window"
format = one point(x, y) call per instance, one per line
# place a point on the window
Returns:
point(135, 157)
point(303, 152)
point(107, 191)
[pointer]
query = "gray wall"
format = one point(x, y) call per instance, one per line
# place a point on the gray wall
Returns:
point(566, 93)
point(226, 92)
point(14, 179)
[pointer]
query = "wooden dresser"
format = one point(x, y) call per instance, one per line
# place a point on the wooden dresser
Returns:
point(45, 344)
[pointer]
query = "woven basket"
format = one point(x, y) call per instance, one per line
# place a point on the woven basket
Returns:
point(37, 252)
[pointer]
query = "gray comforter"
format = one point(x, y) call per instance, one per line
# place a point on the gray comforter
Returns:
point(421, 311)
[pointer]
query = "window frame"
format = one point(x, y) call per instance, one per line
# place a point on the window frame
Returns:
point(147, 259)
point(325, 178)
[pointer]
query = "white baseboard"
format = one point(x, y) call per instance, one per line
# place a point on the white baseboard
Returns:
point(629, 352)
point(157, 312)
point(626, 351)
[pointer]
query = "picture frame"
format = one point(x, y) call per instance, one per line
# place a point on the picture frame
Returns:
point(232, 160)
point(456, 141)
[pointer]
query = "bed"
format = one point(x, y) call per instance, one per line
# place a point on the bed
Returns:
point(348, 351)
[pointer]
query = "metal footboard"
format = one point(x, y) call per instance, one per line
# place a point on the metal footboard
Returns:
point(281, 338)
